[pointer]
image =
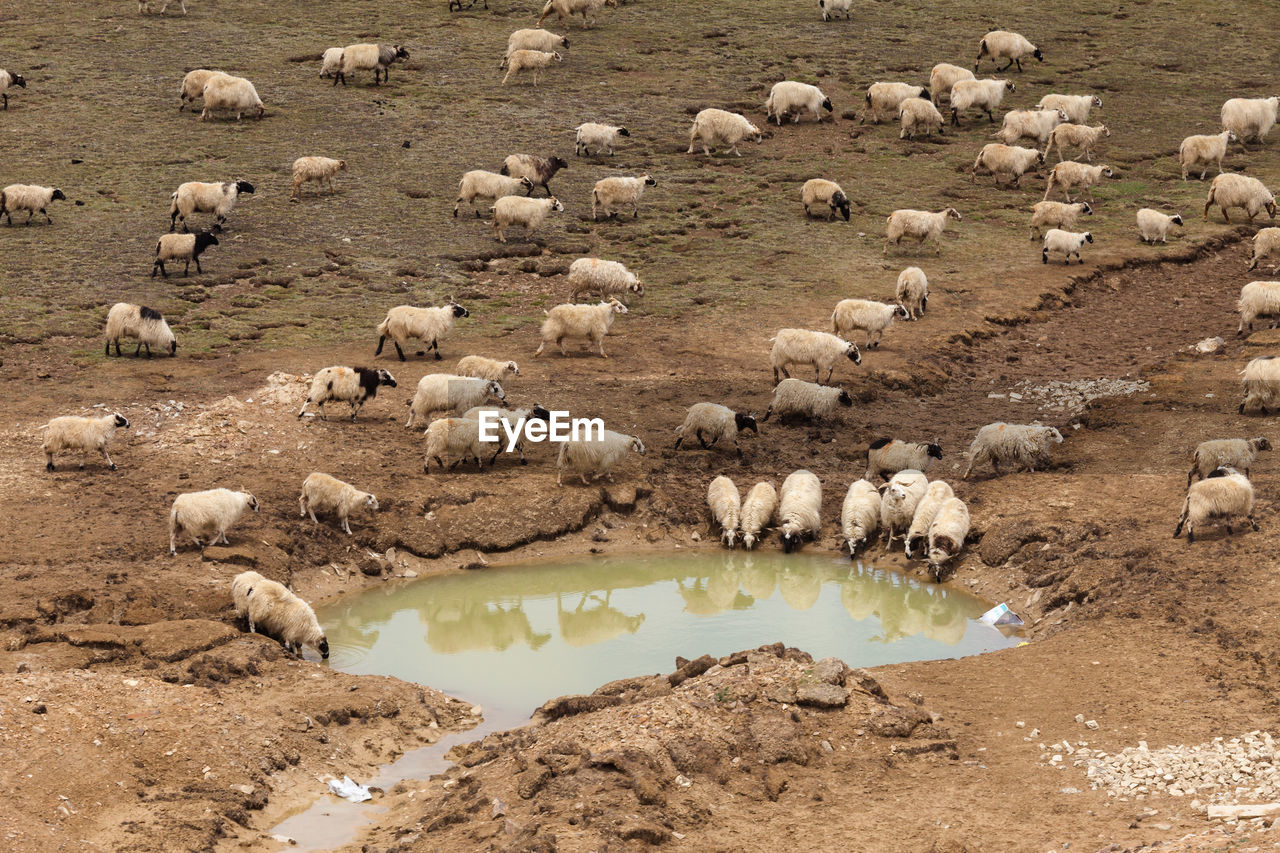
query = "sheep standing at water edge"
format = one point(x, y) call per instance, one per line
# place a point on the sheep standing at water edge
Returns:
point(898, 507)
point(725, 502)
point(799, 509)
point(282, 615)
point(947, 534)
point(757, 512)
point(859, 515)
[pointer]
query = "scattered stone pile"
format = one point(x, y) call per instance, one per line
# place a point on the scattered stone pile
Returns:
point(1072, 396)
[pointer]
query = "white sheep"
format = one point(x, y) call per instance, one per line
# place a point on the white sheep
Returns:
point(882, 98)
point(588, 276)
point(74, 432)
point(1204, 151)
point(831, 8)
point(454, 436)
point(788, 96)
point(516, 211)
point(595, 456)
point(196, 197)
point(230, 94)
point(193, 85)
point(430, 326)
point(712, 421)
point(29, 197)
point(530, 60)
point(610, 193)
point(351, 385)
point(126, 320)
point(725, 502)
point(918, 115)
point(241, 587)
point(318, 169)
point(828, 193)
point(535, 39)
point(859, 515)
point(935, 495)
point(1019, 445)
point(757, 512)
point(181, 247)
point(1067, 242)
point(1238, 453)
point(1080, 136)
point(539, 170)
point(888, 456)
point(579, 321)
point(1265, 243)
point(865, 315)
point(365, 57)
point(919, 225)
point(898, 506)
point(947, 534)
point(451, 394)
point(1076, 107)
point(1223, 496)
point(479, 367)
point(282, 615)
point(592, 134)
point(945, 75)
point(912, 291)
point(1001, 44)
point(323, 493)
point(1056, 214)
point(1034, 124)
point(207, 515)
point(490, 185)
point(1250, 118)
point(514, 418)
point(1008, 161)
point(566, 9)
point(8, 79)
point(1069, 174)
point(808, 347)
point(799, 509)
point(1258, 299)
point(1231, 190)
point(806, 400)
point(1154, 225)
point(984, 95)
point(331, 62)
point(721, 127)
point(1261, 378)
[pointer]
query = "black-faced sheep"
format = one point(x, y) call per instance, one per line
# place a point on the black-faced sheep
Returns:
point(610, 193)
point(352, 385)
point(790, 97)
point(539, 170)
point(711, 420)
point(935, 495)
point(818, 191)
point(795, 397)
point(403, 323)
point(1001, 44)
point(8, 79)
point(1238, 453)
point(1231, 190)
point(29, 197)
point(1154, 225)
point(363, 57)
point(126, 320)
point(181, 247)
point(76, 433)
point(196, 197)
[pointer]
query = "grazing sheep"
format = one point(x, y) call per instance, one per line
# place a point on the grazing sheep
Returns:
point(1154, 225)
point(1238, 453)
point(945, 75)
point(947, 534)
point(1056, 214)
point(479, 367)
point(208, 514)
point(609, 193)
point(799, 509)
point(984, 95)
point(713, 421)
point(73, 432)
point(1019, 445)
point(538, 170)
point(529, 60)
point(721, 127)
point(1258, 299)
point(805, 346)
point(865, 315)
point(919, 225)
point(284, 616)
point(898, 506)
point(1227, 190)
point(451, 394)
point(29, 197)
point(819, 191)
point(888, 456)
point(331, 62)
point(579, 321)
point(193, 85)
point(1265, 243)
point(1250, 118)
point(596, 457)
point(935, 495)
point(405, 322)
point(1067, 242)
point(126, 320)
point(1224, 495)
point(481, 184)
point(882, 98)
point(515, 419)
point(725, 502)
point(918, 115)
point(528, 213)
point(231, 94)
point(859, 515)
point(456, 5)
point(7, 79)
point(181, 247)
point(1261, 384)
point(535, 39)
point(1001, 44)
point(1007, 160)
point(566, 9)
point(329, 494)
point(450, 436)
point(757, 512)
point(1076, 107)
point(144, 6)
point(1069, 174)
point(1034, 124)
point(598, 136)
point(912, 291)
point(351, 385)
point(196, 197)
point(1076, 136)
point(1204, 151)
point(318, 169)
point(241, 587)
point(788, 96)
point(363, 57)
point(830, 8)
point(806, 400)
point(604, 278)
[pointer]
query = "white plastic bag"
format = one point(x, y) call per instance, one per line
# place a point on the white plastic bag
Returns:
point(1000, 615)
point(349, 790)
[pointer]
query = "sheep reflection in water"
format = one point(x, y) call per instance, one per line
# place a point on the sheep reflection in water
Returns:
point(586, 627)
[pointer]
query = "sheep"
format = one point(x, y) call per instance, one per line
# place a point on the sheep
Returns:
point(144, 6)
point(405, 322)
point(1069, 174)
point(1224, 495)
point(1019, 445)
point(539, 170)
point(1067, 242)
point(536, 39)
point(920, 225)
point(281, 614)
point(362, 57)
point(457, 5)
point(830, 8)
point(799, 509)
point(859, 515)
point(196, 197)
point(73, 432)
point(912, 292)
point(481, 184)
point(590, 135)
point(1076, 136)
point(1034, 124)
point(1154, 225)
point(603, 278)
point(918, 115)
point(1076, 107)
point(450, 393)
point(479, 367)
point(898, 506)
point(757, 512)
point(1250, 118)
point(713, 421)
point(1001, 44)
point(318, 169)
point(884, 97)
point(193, 85)
point(1258, 299)
point(1261, 384)
point(819, 191)
point(7, 79)
point(331, 62)
point(448, 436)
point(595, 456)
point(126, 320)
point(806, 400)
point(863, 314)
point(945, 75)
point(805, 346)
point(986, 95)
point(1056, 214)
point(527, 213)
point(529, 60)
point(1007, 160)
point(566, 9)
point(207, 514)
point(514, 418)
point(1227, 190)
point(232, 94)
point(725, 502)
point(888, 456)
point(947, 534)
point(1265, 243)
point(935, 495)
point(721, 127)
point(1238, 453)
point(788, 96)
point(329, 494)
point(181, 247)
point(241, 587)
point(351, 385)
point(579, 321)
point(29, 197)
point(609, 193)
point(1204, 151)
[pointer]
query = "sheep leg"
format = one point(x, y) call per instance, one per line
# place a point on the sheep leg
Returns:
point(320, 409)
point(1007, 67)
point(1252, 523)
point(701, 440)
point(560, 343)
point(48, 465)
point(346, 526)
point(991, 118)
point(602, 355)
point(435, 345)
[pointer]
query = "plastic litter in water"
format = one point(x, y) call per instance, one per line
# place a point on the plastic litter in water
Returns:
point(1000, 615)
point(349, 790)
